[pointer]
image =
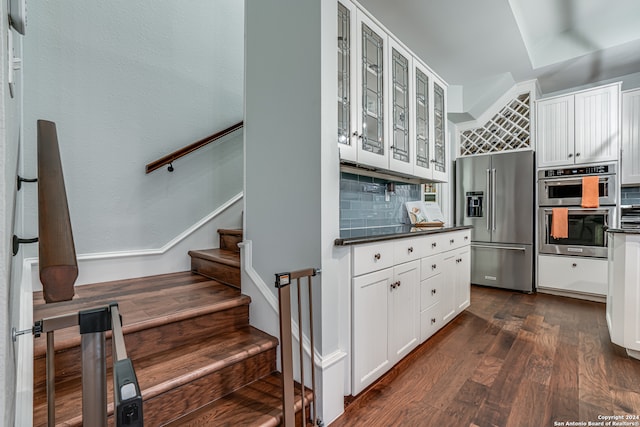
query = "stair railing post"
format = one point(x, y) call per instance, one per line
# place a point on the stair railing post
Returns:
point(93, 325)
point(51, 379)
point(286, 357)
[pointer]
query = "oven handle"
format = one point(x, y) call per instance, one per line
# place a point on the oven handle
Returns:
point(564, 181)
point(508, 248)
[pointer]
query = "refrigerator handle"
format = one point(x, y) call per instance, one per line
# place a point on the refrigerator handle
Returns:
point(488, 199)
point(493, 199)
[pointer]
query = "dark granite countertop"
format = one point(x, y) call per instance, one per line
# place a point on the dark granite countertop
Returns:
point(369, 235)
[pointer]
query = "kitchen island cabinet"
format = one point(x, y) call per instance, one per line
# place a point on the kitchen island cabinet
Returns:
point(623, 295)
point(405, 287)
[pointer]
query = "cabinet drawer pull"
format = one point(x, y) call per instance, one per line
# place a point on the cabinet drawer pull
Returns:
point(433, 320)
point(410, 249)
point(434, 244)
point(466, 237)
point(433, 291)
point(434, 266)
point(376, 256)
point(574, 265)
point(451, 241)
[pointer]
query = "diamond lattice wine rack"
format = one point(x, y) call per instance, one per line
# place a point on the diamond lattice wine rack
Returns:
point(508, 130)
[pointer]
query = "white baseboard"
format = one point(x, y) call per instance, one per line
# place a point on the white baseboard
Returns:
point(170, 258)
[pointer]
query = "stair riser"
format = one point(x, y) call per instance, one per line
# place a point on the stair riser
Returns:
point(189, 397)
point(214, 270)
point(230, 242)
point(149, 341)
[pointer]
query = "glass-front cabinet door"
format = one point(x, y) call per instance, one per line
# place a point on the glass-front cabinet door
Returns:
point(439, 132)
point(422, 122)
point(401, 151)
point(346, 81)
point(372, 142)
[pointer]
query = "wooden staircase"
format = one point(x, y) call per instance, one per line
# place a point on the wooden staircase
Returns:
point(197, 359)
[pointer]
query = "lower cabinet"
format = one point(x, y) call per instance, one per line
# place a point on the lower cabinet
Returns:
point(395, 308)
point(573, 274)
point(385, 321)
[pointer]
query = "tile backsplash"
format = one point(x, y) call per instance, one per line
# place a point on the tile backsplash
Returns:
point(363, 203)
point(630, 196)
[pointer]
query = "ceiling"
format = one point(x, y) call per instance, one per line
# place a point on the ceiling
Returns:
point(484, 45)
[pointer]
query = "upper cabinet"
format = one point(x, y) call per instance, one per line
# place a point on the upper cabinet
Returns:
point(630, 163)
point(391, 107)
point(579, 128)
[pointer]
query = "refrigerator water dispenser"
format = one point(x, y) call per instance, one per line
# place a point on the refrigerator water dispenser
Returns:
point(474, 204)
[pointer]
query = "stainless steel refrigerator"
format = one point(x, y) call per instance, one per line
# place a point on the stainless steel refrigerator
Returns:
point(495, 195)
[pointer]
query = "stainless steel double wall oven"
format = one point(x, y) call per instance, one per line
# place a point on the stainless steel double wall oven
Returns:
point(587, 235)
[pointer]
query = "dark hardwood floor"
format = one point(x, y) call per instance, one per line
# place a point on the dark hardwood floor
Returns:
point(510, 359)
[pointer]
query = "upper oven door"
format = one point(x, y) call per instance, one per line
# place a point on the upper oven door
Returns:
point(587, 232)
point(568, 191)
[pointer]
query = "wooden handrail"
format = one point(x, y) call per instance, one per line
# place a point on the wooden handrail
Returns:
point(169, 158)
point(57, 253)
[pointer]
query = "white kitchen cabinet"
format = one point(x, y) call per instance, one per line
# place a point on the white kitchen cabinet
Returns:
point(385, 321)
point(623, 294)
point(400, 290)
point(630, 133)
point(572, 274)
point(391, 107)
point(579, 128)
point(400, 88)
point(462, 279)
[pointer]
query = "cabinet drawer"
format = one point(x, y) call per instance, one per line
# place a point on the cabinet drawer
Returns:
point(456, 239)
point(372, 257)
point(430, 322)
point(430, 291)
point(573, 274)
point(434, 244)
point(406, 250)
point(430, 266)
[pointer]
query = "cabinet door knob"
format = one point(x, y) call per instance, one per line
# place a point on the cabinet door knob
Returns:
point(433, 320)
point(434, 244)
point(451, 241)
point(398, 284)
point(376, 256)
point(410, 249)
point(570, 155)
point(433, 291)
point(392, 286)
point(466, 237)
point(574, 265)
point(577, 154)
point(434, 266)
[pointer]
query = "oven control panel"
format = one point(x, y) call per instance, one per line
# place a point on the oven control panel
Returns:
point(578, 171)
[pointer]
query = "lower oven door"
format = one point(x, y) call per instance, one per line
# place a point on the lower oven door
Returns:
point(587, 229)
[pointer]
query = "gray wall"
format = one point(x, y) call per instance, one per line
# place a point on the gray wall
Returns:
point(126, 83)
point(283, 135)
point(10, 109)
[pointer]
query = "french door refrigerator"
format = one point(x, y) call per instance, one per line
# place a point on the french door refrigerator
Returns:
point(495, 195)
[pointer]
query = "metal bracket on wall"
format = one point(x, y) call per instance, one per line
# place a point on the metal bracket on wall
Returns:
point(18, 241)
point(20, 180)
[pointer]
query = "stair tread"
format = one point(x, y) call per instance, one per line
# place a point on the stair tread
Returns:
point(166, 370)
point(223, 256)
point(143, 303)
point(256, 404)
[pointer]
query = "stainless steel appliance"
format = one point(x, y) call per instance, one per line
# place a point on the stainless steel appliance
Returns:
point(587, 231)
point(494, 194)
point(563, 187)
point(587, 227)
point(630, 217)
